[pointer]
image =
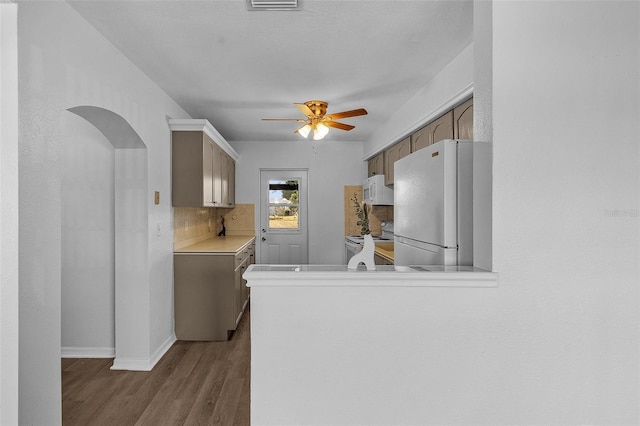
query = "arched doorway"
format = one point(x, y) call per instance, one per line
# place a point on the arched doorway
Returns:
point(129, 241)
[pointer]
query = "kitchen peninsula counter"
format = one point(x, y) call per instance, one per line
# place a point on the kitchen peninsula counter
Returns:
point(387, 346)
point(383, 275)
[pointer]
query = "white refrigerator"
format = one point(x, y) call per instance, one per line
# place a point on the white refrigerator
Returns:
point(434, 202)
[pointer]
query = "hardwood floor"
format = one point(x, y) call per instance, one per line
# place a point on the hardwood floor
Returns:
point(195, 383)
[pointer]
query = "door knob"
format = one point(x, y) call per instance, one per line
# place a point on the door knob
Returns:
point(264, 239)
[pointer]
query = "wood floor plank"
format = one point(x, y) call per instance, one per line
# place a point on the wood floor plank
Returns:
point(243, 410)
point(75, 372)
point(180, 384)
point(204, 405)
point(195, 383)
point(224, 412)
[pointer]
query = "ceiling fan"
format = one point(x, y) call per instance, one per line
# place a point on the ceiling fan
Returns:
point(318, 120)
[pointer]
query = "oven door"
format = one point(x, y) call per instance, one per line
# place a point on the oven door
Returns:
point(351, 248)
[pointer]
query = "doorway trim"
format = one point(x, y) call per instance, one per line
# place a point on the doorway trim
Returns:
point(132, 319)
point(303, 233)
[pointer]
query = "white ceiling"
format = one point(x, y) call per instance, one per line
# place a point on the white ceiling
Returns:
point(232, 66)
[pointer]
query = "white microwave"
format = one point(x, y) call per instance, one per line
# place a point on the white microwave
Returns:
point(375, 192)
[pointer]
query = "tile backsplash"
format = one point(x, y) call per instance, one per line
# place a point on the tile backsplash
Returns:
point(377, 214)
point(240, 220)
point(191, 225)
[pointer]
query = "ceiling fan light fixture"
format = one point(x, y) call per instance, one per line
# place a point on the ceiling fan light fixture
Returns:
point(320, 132)
point(318, 120)
point(304, 130)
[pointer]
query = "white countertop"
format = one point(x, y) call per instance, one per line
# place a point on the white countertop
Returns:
point(218, 245)
point(383, 275)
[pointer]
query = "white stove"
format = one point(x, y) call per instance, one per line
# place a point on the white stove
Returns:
point(360, 239)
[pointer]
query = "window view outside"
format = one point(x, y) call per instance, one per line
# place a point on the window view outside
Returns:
point(283, 204)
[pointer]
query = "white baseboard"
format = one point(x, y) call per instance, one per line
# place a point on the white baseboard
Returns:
point(143, 364)
point(91, 352)
point(131, 364)
point(164, 347)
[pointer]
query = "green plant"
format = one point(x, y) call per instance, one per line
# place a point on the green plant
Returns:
point(363, 215)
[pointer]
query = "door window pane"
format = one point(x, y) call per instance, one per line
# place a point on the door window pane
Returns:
point(283, 204)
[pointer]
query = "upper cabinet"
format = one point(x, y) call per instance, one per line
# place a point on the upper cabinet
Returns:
point(231, 182)
point(439, 129)
point(393, 154)
point(420, 139)
point(463, 120)
point(202, 165)
point(227, 181)
point(376, 165)
point(454, 124)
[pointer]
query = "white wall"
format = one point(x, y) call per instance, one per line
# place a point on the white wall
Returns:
point(566, 103)
point(64, 63)
point(8, 215)
point(88, 239)
point(331, 164)
point(557, 341)
point(449, 87)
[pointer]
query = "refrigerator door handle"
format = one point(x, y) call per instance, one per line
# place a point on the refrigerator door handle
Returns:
point(419, 244)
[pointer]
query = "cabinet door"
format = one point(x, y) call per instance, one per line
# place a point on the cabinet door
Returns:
point(239, 290)
point(463, 120)
point(207, 172)
point(232, 181)
point(191, 169)
point(393, 154)
point(379, 260)
point(420, 139)
point(390, 157)
point(203, 296)
point(217, 177)
point(224, 179)
point(244, 290)
point(439, 129)
point(442, 128)
point(376, 165)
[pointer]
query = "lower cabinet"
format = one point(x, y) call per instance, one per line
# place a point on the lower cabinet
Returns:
point(210, 294)
point(379, 260)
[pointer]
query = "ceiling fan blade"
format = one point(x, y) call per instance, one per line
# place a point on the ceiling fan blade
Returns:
point(337, 125)
point(299, 120)
point(345, 114)
point(305, 110)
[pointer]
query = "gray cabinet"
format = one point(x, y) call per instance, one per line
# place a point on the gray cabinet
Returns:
point(393, 154)
point(439, 129)
point(376, 165)
point(454, 124)
point(203, 174)
point(210, 294)
point(463, 120)
point(231, 170)
point(379, 260)
point(227, 181)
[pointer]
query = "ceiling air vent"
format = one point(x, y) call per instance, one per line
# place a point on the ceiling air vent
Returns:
point(274, 4)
